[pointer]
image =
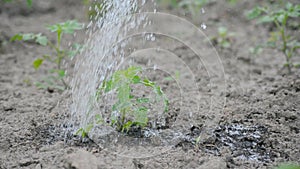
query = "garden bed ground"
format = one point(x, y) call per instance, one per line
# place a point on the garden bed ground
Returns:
point(259, 126)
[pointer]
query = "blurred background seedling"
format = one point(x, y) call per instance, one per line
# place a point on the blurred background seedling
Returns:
point(223, 38)
point(58, 56)
point(280, 38)
point(232, 2)
point(254, 51)
point(29, 2)
point(193, 7)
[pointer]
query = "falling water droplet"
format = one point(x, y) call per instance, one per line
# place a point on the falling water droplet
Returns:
point(153, 38)
point(202, 10)
point(203, 26)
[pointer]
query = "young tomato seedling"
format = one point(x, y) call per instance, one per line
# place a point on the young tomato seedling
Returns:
point(68, 27)
point(280, 39)
point(129, 110)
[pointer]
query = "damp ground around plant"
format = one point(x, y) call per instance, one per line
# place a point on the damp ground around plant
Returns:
point(257, 128)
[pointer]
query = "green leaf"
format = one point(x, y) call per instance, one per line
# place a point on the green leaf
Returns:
point(222, 31)
point(136, 79)
point(108, 86)
point(29, 3)
point(28, 36)
point(158, 91)
point(143, 100)
point(166, 103)
point(61, 73)
point(289, 6)
point(127, 126)
point(265, 19)
point(78, 132)
point(197, 140)
point(37, 63)
point(225, 44)
point(16, 37)
point(297, 65)
point(81, 132)
point(131, 72)
point(66, 27)
point(42, 40)
point(254, 13)
point(147, 82)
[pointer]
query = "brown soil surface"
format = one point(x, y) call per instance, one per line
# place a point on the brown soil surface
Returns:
point(258, 127)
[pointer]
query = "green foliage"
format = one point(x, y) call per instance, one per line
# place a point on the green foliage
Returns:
point(280, 38)
point(60, 54)
point(288, 166)
point(29, 2)
point(232, 2)
point(129, 110)
point(223, 39)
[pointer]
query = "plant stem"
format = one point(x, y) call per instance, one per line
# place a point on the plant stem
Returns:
point(60, 57)
point(284, 46)
point(123, 118)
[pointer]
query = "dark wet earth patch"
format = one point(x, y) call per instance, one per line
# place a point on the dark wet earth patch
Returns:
point(244, 142)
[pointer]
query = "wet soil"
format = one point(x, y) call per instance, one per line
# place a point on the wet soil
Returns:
point(258, 127)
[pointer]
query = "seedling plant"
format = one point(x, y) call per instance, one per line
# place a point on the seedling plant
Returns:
point(223, 38)
point(193, 6)
point(280, 39)
point(59, 54)
point(129, 111)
